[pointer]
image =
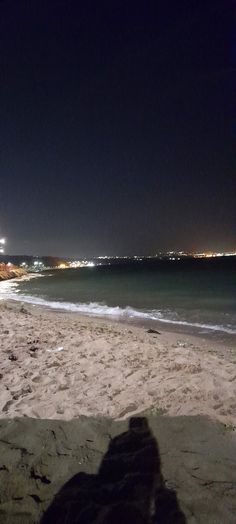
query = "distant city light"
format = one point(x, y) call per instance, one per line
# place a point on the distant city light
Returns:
point(38, 265)
point(82, 263)
point(2, 243)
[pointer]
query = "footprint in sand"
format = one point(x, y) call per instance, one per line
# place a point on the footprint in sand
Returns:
point(63, 387)
point(36, 379)
point(7, 405)
point(218, 406)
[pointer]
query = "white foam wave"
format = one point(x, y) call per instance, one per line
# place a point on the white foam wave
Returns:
point(9, 287)
point(98, 309)
point(213, 327)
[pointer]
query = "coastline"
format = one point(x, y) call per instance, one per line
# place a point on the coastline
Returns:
point(128, 316)
point(10, 271)
point(63, 365)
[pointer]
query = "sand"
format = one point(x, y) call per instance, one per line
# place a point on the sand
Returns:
point(61, 366)
point(68, 387)
point(197, 459)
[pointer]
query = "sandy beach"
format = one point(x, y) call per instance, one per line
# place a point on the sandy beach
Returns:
point(69, 386)
point(56, 365)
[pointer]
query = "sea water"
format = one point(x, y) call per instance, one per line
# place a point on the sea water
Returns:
point(197, 293)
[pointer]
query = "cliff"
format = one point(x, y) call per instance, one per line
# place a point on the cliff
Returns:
point(8, 271)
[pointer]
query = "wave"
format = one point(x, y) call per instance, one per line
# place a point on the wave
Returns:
point(9, 291)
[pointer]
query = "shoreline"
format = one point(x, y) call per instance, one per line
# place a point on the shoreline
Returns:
point(10, 271)
point(179, 327)
point(63, 365)
point(217, 337)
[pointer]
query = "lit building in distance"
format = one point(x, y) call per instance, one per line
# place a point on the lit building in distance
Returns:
point(2, 244)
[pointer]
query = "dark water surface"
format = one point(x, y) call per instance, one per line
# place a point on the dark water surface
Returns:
point(198, 293)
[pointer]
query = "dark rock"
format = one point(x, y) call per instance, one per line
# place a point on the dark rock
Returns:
point(12, 357)
point(33, 348)
point(153, 331)
point(24, 310)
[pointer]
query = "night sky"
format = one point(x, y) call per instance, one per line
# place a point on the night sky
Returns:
point(118, 126)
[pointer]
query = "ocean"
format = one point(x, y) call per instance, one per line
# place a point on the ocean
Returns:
point(196, 293)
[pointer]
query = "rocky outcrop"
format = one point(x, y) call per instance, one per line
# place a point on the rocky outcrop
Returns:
point(8, 271)
point(158, 470)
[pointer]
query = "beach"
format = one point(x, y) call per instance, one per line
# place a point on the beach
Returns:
point(57, 365)
point(71, 385)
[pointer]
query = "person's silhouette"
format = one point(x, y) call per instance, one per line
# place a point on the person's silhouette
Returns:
point(129, 487)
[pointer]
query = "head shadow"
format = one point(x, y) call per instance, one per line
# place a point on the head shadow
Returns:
point(128, 488)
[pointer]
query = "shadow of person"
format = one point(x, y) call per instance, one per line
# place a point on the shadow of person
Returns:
point(129, 487)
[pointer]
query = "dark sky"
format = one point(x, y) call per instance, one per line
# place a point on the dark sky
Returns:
point(118, 126)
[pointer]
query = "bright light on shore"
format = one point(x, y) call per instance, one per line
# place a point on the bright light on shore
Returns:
point(2, 243)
